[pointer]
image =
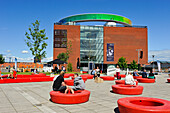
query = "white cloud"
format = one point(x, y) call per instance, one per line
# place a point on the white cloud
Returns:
point(8, 51)
point(162, 55)
point(24, 52)
point(47, 59)
point(28, 59)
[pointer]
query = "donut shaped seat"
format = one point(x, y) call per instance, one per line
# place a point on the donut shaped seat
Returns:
point(41, 74)
point(22, 80)
point(135, 77)
point(69, 74)
point(70, 82)
point(88, 76)
point(145, 80)
point(127, 89)
point(123, 82)
point(66, 76)
point(76, 98)
point(122, 75)
point(4, 76)
point(168, 80)
point(107, 78)
point(29, 76)
point(84, 78)
point(143, 105)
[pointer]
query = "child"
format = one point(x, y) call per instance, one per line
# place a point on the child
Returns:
point(78, 83)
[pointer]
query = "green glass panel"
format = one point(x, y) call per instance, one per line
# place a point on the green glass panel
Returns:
point(96, 17)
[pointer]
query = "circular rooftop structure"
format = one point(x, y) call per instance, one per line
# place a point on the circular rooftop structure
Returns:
point(102, 17)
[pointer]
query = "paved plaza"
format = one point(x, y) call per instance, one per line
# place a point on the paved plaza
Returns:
point(34, 97)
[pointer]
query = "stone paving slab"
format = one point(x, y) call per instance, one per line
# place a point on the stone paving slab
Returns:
point(34, 97)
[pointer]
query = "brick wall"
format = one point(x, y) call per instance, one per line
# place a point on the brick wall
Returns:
point(126, 40)
point(73, 35)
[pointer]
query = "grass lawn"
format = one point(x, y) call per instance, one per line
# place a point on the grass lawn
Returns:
point(29, 73)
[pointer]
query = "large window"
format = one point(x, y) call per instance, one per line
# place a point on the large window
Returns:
point(60, 38)
point(91, 44)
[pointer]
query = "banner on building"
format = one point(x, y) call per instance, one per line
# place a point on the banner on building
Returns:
point(159, 66)
point(110, 51)
point(15, 64)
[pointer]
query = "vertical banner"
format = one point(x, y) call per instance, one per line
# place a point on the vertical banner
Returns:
point(110, 51)
point(159, 66)
point(15, 64)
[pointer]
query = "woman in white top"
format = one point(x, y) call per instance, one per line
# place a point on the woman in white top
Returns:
point(129, 79)
point(118, 72)
point(97, 71)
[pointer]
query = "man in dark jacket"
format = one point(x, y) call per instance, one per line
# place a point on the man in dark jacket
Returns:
point(144, 74)
point(59, 84)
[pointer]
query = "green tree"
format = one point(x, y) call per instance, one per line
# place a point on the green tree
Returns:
point(68, 49)
point(62, 56)
point(69, 67)
point(65, 56)
point(35, 40)
point(133, 65)
point(122, 63)
point(2, 59)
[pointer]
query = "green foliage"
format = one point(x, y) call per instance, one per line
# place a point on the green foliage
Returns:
point(35, 40)
point(69, 67)
point(68, 49)
point(26, 71)
point(2, 60)
point(65, 56)
point(62, 56)
point(133, 65)
point(122, 63)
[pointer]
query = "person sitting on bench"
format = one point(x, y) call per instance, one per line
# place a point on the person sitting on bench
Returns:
point(78, 83)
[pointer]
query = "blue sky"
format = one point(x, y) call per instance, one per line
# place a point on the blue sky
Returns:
point(17, 15)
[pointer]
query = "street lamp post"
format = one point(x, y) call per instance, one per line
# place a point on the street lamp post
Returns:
point(153, 60)
point(138, 57)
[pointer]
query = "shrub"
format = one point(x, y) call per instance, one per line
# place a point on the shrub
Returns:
point(69, 67)
point(133, 65)
point(26, 71)
point(122, 63)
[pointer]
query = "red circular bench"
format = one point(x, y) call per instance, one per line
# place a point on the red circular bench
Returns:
point(122, 75)
point(66, 76)
point(4, 76)
point(127, 89)
point(76, 98)
point(84, 78)
point(88, 76)
point(30, 76)
point(135, 77)
point(27, 79)
point(123, 82)
point(145, 80)
point(143, 105)
point(168, 80)
point(109, 78)
point(42, 74)
point(70, 82)
point(69, 74)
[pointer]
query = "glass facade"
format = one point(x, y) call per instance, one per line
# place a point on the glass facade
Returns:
point(91, 44)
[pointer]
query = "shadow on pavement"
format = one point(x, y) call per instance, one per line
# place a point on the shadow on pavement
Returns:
point(116, 110)
point(111, 91)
